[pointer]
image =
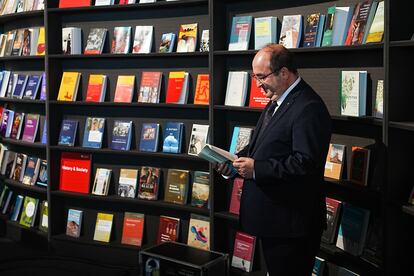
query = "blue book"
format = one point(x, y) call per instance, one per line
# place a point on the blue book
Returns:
point(167, 43)
point(67, 134)
point(6, 206)
point(173, 134)
point(43, 88)
point(149, 137)
point(32, 87)
point(343, 17)
point(44, 133)
point(240, 33)
point(74, 223)
point(240, 139)
point(320, 30)
point(121, 135)
point(32, 168)
point(20, 86)
point(93, 134)
point(318, 267)
point(17, 206)
point(42, 178)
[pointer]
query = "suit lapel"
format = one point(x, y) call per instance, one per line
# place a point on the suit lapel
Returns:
point(258, 126)
point(287, 103)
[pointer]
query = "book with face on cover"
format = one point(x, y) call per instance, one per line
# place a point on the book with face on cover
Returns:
point(19, 166)
point(17, 125)
point(32, 170)
point(74, 223)
point(198, 139)
point(150, 87)
point(121, 135)
point(149, 183)
point(93, 134)
point(121, 40)
point(149, 137)
point(127, 184)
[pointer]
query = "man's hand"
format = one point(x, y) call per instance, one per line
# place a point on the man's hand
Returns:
point(244, 166)
point(223, 168)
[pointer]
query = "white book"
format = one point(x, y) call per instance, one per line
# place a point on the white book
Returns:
point(236, 88)
point(71, 41)
point(265, 31)
point(34, 37)
point(353, 93)
point(143, 39)
point(121, 40)
point(40, 5)
point(104, 2)
point(184, 91)
point(20, 5)
point(198, 139)
point(29, 5)
point(127, 183)
point(3, 39)
point(342, 19)
point(102, 181)
point(10, 7)
point(5, 83)
point(291, 31)
point(205, 41)
point(146, 1)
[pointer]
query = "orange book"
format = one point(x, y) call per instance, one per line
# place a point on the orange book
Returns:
point(96, 88)
point(124, 89)
point(133, 229)
point(74, 3)
point(202, 92)
point(334, 161)
point(257, 96)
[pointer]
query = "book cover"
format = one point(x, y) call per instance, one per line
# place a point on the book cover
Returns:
point(265, 31)
point(8, 205)
point(343, 16)
point(17, 207)
point(41, 44)
point(32, 171)
point(20, 86)
point(358, 25)
point(243, 251)
point(311, 30)
point(176, 186)
point(202, 91)
point(291, 31)
point(143, 40)
point(168, 229)
point(67, 135)
point(149, 137)
point(199, 232)
point(353, 229)
point(96, 88)
point(8, 161)
point(103, 227)
point(333, 211)
point(29, 210)
point(74, 3)
point(236, 196)
point(198, 139)
point(359, 165)
point(96, 41)
point(75, 172)
point(121, 135)
point(329, 24)
point(74, 223)
point(257, 97)
point(376, 30)
point(121, 40)
point(19, 166)
point(127, 184)
point(353, 93)
point(124, 90)
point(43, 88)
point(215, 154)
point(334, 161)
point(42, 178)
point(44, 216)
point(17, 125)
point(378, 111)
point(43, 139)
point(187, 38)
point(240, 138)
point(236, 90)
point(150, 87)
point(69, 86)
point(6, 123)
point(201, 189)
point(173, 136)
point(30, 127)
point(240, 33)
point(149, 183)
point(93, 134)
point(177, 91)
point(102, 181)
point(205, 41)
point(32, 87)
point(133, 229)
point(18, 43)
point(167, 43)
point(318, 267)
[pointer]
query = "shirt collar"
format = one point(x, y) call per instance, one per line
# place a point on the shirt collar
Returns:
point(287, 91)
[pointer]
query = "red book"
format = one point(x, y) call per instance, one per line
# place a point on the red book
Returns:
point(74, 3)
point(75, 172)
point(236, 195)
point(124, 90)
point(257, 96)
point(243, 252)
point(133, 229)
point(359, 165)
point(96, 86)
point(175, 86)
point(149, 89)
point(202, 92)
point(168, 229)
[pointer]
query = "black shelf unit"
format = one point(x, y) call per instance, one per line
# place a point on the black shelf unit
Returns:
point(25, 64)
point(320, 67)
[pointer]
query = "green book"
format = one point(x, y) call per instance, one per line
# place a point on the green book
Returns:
point(44, 215)
point(29, 211)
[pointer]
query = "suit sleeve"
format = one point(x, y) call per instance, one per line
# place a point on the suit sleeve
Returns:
point(311, 132)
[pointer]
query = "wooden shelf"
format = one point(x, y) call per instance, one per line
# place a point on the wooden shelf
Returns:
point(23, 143)
point(113, 8)
point(178, 156)
point(135, 201)
point(20, 15)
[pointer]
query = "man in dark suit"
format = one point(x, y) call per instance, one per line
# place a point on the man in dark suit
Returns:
point(283, 199)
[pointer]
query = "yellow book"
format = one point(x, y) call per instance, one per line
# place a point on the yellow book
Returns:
point(103, 227)
point(334, 161)
point(376, 31)
point(124, 89)
point(69, 86)
point(41, 45)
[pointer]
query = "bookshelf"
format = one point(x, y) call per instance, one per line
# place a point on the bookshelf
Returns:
point(391, 136)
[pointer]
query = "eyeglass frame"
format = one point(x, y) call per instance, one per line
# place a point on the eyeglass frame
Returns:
point(263, 79)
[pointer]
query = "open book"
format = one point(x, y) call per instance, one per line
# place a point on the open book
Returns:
point(217, 155)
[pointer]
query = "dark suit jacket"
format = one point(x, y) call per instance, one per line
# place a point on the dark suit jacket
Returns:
point(286, 198)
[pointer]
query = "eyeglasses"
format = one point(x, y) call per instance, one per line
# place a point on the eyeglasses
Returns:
point(263, 79)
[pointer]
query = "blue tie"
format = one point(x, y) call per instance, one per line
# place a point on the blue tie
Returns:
point(267, 117)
